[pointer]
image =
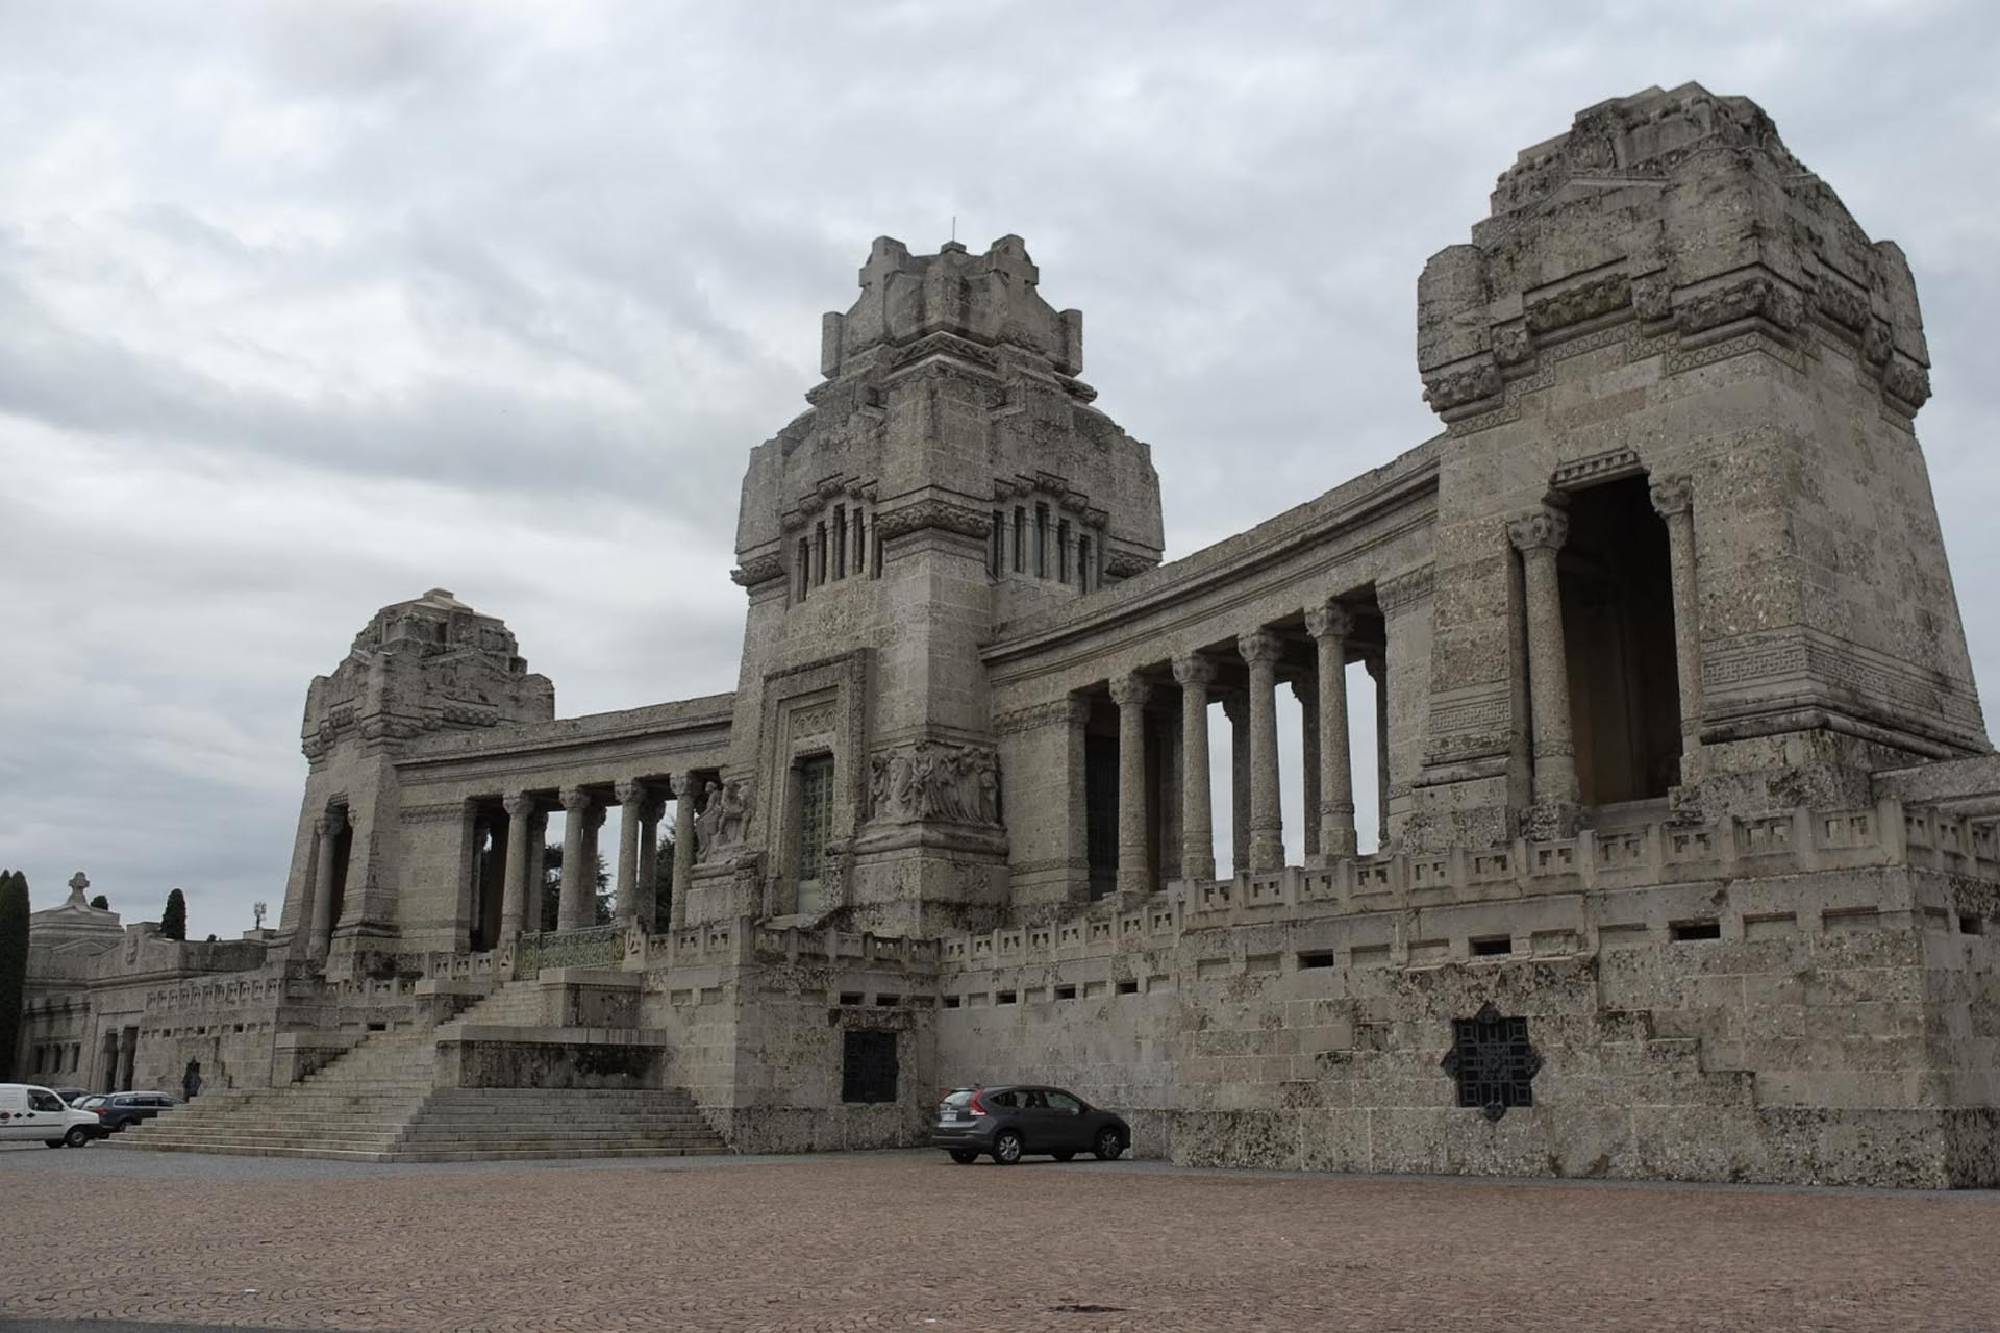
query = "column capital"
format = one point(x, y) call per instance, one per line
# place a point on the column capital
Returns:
point(518, 804)
point(631, 791)
point(1329, 618)
point(576, 798)
point(1544, 529)
point(1194, 669)
point(1672, 495)
point(1260, 646)
point(1130, 691)
point(333, 821)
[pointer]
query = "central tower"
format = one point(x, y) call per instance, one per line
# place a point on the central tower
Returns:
point(951, 473)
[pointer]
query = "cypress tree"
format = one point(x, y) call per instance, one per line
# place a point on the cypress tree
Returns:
point(101, 903)
point(174, 921)
point(13, 964)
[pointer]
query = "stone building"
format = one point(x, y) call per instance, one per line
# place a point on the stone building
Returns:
point(1686, 865)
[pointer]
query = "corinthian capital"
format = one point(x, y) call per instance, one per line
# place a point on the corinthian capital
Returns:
point(1672, 495)
point(630, 792)
point(518, 805)
point(1260, 646)
point(1330, 617)
point(1194, 669)
point(1544, 530)
point(576, 798)
point(1130, 691)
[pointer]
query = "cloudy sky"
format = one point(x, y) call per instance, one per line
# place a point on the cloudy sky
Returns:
point(306, 308)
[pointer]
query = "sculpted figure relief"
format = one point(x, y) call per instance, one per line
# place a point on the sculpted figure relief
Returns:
point(725, 812)
point(927, 780)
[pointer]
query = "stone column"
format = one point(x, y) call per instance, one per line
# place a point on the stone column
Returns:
point(649, 860)
point(1378, 671)
point(573, 908)
point(1306, 691)
point(537, 894)
point(520, 808)
point(1538, 537)
point(1261, 648)
point(128, 1055)
point(331, 825)
point(1673, 498)
point(631, 795)
point(1194, 675)
point(1236, 707)
point(1134, 874)
point(686, 798)
point(1330, 624)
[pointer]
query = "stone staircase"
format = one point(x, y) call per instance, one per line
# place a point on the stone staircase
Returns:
point(377, 1103)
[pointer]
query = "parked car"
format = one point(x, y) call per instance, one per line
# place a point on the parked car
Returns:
point(29, 1112)
point(1013, 1120)
point(121, 1110)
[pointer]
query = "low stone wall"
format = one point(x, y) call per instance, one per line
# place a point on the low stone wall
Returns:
point(471, 1056)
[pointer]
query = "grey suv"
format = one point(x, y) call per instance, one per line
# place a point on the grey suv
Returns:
point(1011, 1120)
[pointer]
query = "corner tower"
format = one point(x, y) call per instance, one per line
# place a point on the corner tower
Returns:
point(1687, 549)
point(951, 472)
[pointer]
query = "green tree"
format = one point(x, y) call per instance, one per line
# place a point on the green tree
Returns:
point(174, 921)
point(13, 964)
point(663, 879)
point(101, 903)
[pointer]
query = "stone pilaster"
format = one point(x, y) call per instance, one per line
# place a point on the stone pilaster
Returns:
point(1673, 499)
point(1236, 707)
point(573, 907)
point(331, 825)
point(1538, 536)
point(649, 810)
point(1135, 877)
point(1330, 624)
point(1306, 690)
point(1261, 650)
point(537, 890)
point(520, 808)
point(1194, 675)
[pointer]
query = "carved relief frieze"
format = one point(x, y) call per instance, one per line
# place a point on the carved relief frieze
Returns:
point(758, 569)
point(1585, 301)
point(933, 780)
point(1467, 384)
point(932, 513)
point(1072, 711)
point(724, 818)
point(444, 812)
point(1122, 564)
point(1598, 467)
point(1397, 594)
point(1745, 298)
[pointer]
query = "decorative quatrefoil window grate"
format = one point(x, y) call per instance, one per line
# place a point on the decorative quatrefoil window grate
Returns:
point(1492, 1062)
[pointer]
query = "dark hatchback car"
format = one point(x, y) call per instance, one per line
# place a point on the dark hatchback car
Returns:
point(122, 1110)
point(1013, 1120)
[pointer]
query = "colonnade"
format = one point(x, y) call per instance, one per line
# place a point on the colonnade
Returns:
point(1259, 658)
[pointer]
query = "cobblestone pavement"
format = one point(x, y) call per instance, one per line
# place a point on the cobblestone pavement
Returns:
point(909, 1241)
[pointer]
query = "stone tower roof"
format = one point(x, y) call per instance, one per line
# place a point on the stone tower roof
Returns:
point(436, 623)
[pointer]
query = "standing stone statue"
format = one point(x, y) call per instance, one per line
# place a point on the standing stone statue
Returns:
point(257, 911)
point(191, 1080)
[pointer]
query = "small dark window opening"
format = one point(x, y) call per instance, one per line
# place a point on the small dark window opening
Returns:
point(1041, 541)
point(1006, 997)
point(951, 1002)
point(1128, 988)
point(1083, 571)
point(1695, 930)
point(840, 541)
point(1020, 539)
point(804, 563)
point(1492, 946)
point(860, 542)
point(869, 1067)
point(1970, 924)
point(878, 553)
point(887, 1001)
point(852, 997)
point(1492, 1062)
point(1065, 992)
point(1316, 959)
point(372, 1027)
point(819, 554)
point(997, 545)
point(1062, 551)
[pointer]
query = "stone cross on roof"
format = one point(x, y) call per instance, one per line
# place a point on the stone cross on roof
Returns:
point(77, 884)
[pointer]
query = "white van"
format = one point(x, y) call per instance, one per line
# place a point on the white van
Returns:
point(28, 1112)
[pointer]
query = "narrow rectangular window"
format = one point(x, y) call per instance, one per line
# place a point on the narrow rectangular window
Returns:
point(1083, 564)
point(802, 567)
point(819, 554)
point(860, 541)
point(815, 814)
point(840, 541)
point(878, 552)
point(996, 548)
point(1062, 551)
point(1041, 541)
point(1020, 539)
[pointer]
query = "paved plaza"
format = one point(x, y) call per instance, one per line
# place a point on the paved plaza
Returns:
point(906, 1240)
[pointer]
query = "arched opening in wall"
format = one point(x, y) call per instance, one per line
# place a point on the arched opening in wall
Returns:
point(1618, 634)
